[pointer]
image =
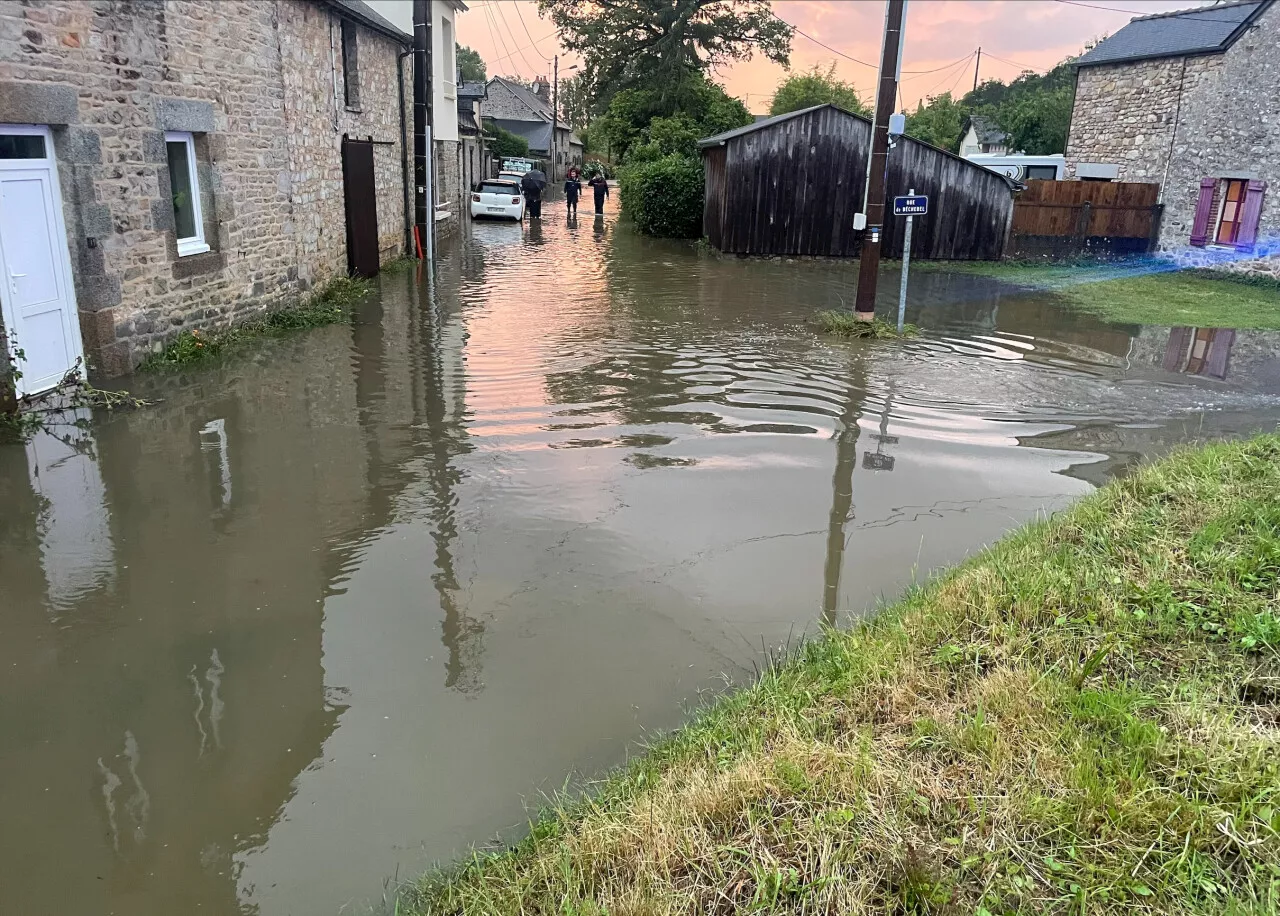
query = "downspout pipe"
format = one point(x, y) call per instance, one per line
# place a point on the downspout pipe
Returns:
point(424, 194)
point(405, 178)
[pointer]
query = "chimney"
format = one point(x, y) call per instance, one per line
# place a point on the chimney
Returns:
point(542, 89)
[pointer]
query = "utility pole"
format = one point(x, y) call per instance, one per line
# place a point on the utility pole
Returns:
point(424, 209)
point(555, 115)
point(878, 160)
point(976, 65)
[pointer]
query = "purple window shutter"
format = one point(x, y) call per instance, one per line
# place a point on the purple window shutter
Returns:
point(1248, 233)
point(1219, 350)
point(1200, 226)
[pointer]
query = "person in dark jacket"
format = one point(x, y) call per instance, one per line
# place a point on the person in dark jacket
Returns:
point(600, 185)
point(532, 189)
point(572, 191)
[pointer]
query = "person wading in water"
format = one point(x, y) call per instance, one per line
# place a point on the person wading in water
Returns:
point(600, 185)
point(572, 190)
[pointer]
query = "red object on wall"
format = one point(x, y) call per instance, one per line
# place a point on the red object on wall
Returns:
point(1200, 226)
point(1251, 215)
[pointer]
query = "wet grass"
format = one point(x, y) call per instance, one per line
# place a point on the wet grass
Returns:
point(1083, 719)
point(1134, 294)
point(331, 305)
point(847, 324)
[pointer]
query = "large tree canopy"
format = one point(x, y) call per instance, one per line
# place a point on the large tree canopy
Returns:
point(633, 43)
point(815, 87)
point(940, 122)
point(470, 65)
point(650, 123)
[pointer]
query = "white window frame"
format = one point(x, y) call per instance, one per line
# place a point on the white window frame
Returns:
point(194, 244)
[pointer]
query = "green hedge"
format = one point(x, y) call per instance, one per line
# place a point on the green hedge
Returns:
point(664, 197)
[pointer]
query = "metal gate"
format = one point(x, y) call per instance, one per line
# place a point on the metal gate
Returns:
point(362, 207)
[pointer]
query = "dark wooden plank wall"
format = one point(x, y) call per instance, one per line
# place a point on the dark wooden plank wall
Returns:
point(1069, 218)
point(793, 189)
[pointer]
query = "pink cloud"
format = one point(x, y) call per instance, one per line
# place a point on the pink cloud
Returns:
point(1012, 34)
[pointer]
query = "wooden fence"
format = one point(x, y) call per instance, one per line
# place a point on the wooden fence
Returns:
point(1062, 219)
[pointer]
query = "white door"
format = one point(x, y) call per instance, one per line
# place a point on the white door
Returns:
point(35, 268)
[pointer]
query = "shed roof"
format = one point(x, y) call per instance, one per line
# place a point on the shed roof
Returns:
point(1203, 30)
point(364, 14)
point(721, 139)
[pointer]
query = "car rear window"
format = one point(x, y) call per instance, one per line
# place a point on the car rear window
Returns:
point(498, 187)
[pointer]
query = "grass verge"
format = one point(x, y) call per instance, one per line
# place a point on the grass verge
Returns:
point(847, 324)
point(1134, 294)
point(1083, 719)
point(332, 304)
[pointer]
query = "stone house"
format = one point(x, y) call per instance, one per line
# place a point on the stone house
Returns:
point(981, 136)
point(169, 165)
point(526, 112)
point(1190, 100)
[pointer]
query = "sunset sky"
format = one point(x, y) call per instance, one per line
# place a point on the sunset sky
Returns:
point(1014, 35)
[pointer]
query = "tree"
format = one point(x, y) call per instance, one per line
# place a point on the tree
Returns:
point(577, 97)
point(471, 66)
point(816, 87)
point(1037, 124)
point(505, 144)
point(629, 44)
point(667, 117)
point(940, 122)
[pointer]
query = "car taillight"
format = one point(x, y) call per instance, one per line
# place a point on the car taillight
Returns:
point(515, 200)
point(476, 198)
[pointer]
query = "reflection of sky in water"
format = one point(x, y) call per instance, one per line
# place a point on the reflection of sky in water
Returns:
point(341, 607)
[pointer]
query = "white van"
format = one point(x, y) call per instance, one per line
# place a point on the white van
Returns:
point(1023, 167)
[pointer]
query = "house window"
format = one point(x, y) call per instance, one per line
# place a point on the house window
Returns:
point(1232, 207)
point(350, 66)
point(184, 186)
point(448, 59)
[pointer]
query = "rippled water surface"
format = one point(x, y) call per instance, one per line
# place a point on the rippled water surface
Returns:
point(340, 607)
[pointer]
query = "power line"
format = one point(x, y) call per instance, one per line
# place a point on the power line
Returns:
point(1182, 16)
point(1014, 63)
point(529, 35)
point(918, 73)
point(498, 40)
point(502, 20)
point(961, 67)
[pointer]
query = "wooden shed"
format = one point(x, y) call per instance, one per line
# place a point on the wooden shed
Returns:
point(791, 184)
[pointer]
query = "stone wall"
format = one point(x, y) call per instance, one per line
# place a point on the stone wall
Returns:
point(449, 187)
point(1124, 113)
point(503, 103)
point(1227, 126)
point(1230, 128)
point(252, 81)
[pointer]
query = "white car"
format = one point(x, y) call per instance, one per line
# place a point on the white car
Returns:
point(498, 198)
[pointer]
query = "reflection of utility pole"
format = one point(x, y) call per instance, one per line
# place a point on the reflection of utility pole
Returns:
point(842, 507)
point(878, 161)
point(877, 460)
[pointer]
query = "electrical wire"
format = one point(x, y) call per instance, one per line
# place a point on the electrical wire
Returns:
point(1014, 63)
point(498, 39)
point(961, 68)
point(502, 21)
point(918, 73)
point(1139, 13)
point(533, 44)
point(524, 48)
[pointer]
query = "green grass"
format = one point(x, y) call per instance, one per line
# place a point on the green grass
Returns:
point(847, 324)
point(332, 304)
point(1198, 298)
point(1085, 719)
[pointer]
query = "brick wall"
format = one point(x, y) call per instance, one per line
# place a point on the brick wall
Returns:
point(253, 81)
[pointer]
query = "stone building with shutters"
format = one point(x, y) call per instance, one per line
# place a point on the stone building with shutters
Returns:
point(181, 164)
point(1190, 100)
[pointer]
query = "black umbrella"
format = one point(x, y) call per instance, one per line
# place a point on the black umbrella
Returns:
point(537, 175)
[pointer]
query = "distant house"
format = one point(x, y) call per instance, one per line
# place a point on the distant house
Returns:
point(474, 156)
point(981, 135)
point(526, 112)
point(791, 185)
point(1190, 100)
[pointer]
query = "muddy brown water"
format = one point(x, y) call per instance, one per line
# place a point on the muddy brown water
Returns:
point(342, 606)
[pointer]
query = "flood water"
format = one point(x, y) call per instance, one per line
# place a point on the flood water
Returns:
point(340, 607)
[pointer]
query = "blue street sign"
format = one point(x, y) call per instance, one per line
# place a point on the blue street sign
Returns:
point(911, 206)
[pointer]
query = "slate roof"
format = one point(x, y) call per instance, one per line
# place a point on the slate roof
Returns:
point(1203, 30)
point(367, 16)
point(473, 90)
point(467, 120)
point(986, 130)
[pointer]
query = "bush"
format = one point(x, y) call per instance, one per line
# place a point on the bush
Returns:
point(664, 197)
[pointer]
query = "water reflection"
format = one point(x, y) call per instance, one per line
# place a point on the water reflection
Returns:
point(339, 608)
